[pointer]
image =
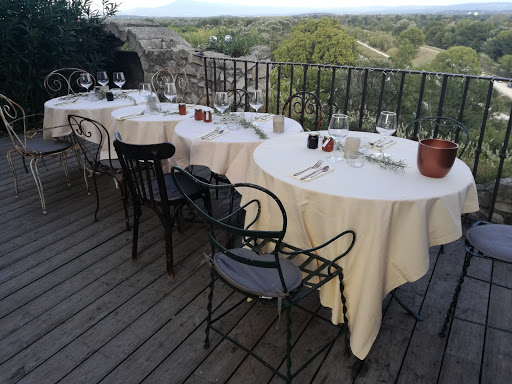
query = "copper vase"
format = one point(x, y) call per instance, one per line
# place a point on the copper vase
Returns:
point(436, 157)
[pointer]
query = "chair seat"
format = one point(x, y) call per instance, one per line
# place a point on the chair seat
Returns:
point(494, 240)
point(112, 164)
point(47, 147)
point(189, 187)
point(257, 280)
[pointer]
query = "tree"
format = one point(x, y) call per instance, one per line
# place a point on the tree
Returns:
point(457, 60)
point(506, 63)
point(500, 45)
point(321, 41)
point(404, 55)
point(414, 36)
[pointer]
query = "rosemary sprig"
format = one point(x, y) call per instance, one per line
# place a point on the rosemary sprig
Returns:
point(100, 95)
point(385, 162)
point(166, 113)
point(232, 118)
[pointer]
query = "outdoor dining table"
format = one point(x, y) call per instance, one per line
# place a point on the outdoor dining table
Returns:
point(396, 217)
point(56, 112)
point(229, 154)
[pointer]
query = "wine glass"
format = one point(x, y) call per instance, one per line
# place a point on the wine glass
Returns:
point(221, 102)
point(145, 91)
point(119, 79)
point(386, 126)
point(170, 91)
point(85, 81)
point(338, 128)
point(256, 99)
point(102, 77)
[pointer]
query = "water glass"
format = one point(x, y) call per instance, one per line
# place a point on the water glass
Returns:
point(355, 159)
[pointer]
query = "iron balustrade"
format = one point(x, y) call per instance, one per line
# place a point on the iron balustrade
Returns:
point(351, 90)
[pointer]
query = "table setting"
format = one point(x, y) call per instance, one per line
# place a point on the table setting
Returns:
point(397, 215)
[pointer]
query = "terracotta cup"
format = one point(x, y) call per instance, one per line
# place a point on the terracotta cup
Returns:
point(436, 157)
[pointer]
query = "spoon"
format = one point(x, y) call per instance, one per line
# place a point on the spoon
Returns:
point(324, 169)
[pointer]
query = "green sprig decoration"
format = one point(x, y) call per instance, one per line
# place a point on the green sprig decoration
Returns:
point(232, 118)
point(100, 95)
point(385, 162)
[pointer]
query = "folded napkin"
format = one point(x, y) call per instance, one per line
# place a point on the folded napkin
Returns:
point(312, 174)
point(379, 147)
point(132, 116)
point(213, 135)
point(263, 118)
point(74, 101)
point(130, 91)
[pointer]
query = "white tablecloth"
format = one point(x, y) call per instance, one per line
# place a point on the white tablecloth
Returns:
point(99, 110)
point(229, 154)
point(396, 218)
point(148, 129)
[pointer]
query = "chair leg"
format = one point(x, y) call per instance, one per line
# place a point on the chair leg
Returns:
point(124, 198)
point(64, 161)
point(441, 250)
point(345, 318)
point(86, 182)
point(209, 307)
point(39, 185)
point(97, 196)
point(13, 170)
point(404, 306)
point(453, 304)
point(169, 257)
point(288, 345)
point(136, 216)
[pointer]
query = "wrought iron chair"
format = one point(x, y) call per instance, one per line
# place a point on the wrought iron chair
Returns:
point(64, 81)
point(149, 186)
point(29, 146)
point(302, 104)
point(438, 127)
point(83, 130)
point(487, 241)
point(167, 75)
point(264, 276)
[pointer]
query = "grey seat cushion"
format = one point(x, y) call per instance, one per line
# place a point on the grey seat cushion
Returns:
point(47, 147)
point(257, 280)
point(493, 240)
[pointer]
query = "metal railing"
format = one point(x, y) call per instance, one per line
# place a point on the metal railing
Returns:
point(363, 92)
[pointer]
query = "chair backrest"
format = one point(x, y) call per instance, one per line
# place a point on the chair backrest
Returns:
point(85, 129)
point(438, 127)
point(302, 104)
point(65, 81)
point(142, 165)
point(14, 119)
point(227, 224)
point(240, 100)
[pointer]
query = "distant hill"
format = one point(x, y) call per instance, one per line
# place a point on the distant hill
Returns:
point(191, 8)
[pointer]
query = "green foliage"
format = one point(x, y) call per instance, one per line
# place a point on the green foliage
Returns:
point(500, 45)
point(457, 60)
point(321, 41)
point(405, 54)
point(506, 63)
point(39, 36)
point(414, 36)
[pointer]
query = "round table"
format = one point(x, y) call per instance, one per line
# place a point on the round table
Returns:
point(56, 112)
point(229, 154)
point(396, 217)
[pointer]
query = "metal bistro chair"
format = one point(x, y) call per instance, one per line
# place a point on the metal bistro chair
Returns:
point(305, 103)
point(83, 130)
point(438, 127)
point(28, 146)
point(149, 186)
point(264, 276)
point(64, 81)
point(487, 241)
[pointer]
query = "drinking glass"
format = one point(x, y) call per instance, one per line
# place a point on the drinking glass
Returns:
point(145, 91)
point(338, 128)
point(102, 77)
point(85, 81)
point(170, 91)
point(221, 102)
point(256, 99)
point(386, 126)
point(119, 79)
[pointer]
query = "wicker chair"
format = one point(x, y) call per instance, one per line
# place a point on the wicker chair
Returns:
point(29, 144)
point(265, 277)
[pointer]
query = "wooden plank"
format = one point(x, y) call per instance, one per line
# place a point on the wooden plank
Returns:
point(497, 362)
point(461, 363)
point(501, 298)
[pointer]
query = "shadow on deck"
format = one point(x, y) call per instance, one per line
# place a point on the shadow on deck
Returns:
point(74, 308)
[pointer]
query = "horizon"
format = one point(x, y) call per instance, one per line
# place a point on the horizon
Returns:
point(321, 5)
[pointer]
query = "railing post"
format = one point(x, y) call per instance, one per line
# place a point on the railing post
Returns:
point(363, 99)
point(206, 82)
point(478, 150)
point(331, 96)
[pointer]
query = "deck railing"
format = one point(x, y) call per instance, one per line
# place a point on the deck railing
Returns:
point(363, 92)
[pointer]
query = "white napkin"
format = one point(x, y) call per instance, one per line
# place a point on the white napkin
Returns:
point(263, 118)
point(213, 135)
point(74, 101)
point(379, 147)
point(315, 176)
point(132, 116)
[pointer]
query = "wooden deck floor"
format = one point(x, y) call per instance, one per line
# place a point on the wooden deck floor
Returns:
point(75, 309)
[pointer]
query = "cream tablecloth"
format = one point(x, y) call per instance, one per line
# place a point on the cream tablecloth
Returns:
point(229, 154)
point(99, 110)
point(396, 218)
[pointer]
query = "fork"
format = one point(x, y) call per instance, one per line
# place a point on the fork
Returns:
point(316, 165)
point(212, 133)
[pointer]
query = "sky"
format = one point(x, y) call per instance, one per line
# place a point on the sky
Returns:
point(130, 4)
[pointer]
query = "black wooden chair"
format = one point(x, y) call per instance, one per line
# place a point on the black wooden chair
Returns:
point(256, 270)
point(304, 104)
point(30, 145)
point(487, 241)
point(83, 129)
point(438, 127)
point(149, 186)
point(65, 81)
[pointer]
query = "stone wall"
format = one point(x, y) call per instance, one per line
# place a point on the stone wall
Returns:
point(159, 47)
point(503, 209)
